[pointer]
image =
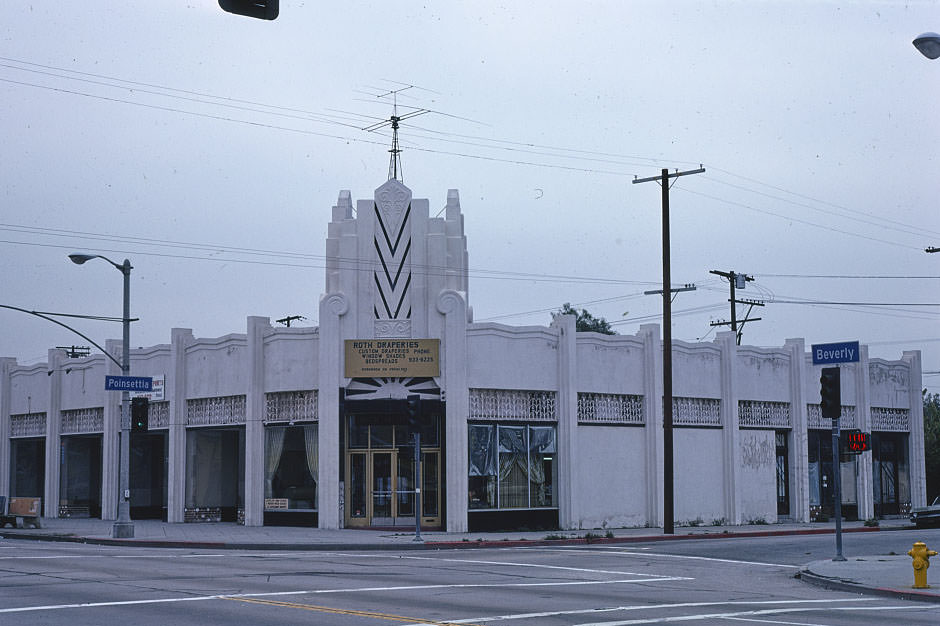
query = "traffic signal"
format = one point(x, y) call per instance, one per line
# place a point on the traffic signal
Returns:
point(261, 9)
point(830, 393)
point(414, 408)
point(140, 408)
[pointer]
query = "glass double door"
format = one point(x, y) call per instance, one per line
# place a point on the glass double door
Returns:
point(380, 481)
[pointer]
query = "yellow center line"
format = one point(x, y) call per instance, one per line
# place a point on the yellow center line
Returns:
point(327, 609)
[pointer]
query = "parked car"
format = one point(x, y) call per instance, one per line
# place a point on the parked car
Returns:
point(927, 515)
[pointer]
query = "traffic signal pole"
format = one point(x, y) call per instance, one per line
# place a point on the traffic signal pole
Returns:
point(830, 406)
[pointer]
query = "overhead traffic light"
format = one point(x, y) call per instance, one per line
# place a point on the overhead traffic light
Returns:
point(261, 9)
point(140, 408)
point(830, 393)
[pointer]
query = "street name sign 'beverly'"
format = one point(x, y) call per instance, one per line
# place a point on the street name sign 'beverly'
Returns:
point(831, 353)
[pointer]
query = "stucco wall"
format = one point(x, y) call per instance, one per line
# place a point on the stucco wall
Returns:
point(611, 479)
point(890, 384)
point(696, 370)
point(699, 475)
point(29, 389)
point(763, 375)
point(757, 477)
point(502, 357)
point(217, 367)
point(83, 385)
point(291, 358)
point(610, 364)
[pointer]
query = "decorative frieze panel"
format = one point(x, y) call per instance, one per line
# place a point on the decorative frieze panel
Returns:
point(291, 406)
point(770, 415)
point(696, 412)
point(816, 421)
point(604, 408)
point(28, 425)
point(82, 421)
point(158, 415)
point(499, 404)
point(215, 411)
point(891, 420)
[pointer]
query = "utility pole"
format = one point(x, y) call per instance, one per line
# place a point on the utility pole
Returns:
point(75, 352)
point(290, 318)
point(668, 477)
point(737, 281)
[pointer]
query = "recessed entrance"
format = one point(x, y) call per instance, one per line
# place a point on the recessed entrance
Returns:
point(380, 468)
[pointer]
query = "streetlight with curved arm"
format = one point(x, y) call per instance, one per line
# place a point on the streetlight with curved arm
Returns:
point(928, 44)
point(123, 528)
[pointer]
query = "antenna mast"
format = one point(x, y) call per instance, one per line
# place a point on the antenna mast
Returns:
point(394, 162)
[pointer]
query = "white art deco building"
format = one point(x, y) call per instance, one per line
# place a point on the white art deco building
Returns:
point(520, 426)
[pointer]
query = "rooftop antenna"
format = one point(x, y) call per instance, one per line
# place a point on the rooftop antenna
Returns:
point(394, 163)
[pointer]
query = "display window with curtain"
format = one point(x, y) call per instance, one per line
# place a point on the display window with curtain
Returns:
point(512, 469)
point(291, 474)
point(215, 474)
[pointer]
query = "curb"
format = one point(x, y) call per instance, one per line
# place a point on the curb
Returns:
point(839, 584)
point(410, 545)
point(640, 539)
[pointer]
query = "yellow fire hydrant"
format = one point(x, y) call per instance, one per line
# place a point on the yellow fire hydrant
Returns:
point(921, 556)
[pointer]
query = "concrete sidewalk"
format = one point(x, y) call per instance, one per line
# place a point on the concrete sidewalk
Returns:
point(884, 575)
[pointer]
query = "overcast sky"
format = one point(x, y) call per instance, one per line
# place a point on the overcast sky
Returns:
point(209, 149)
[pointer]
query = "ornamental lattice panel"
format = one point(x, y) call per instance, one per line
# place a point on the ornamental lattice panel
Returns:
point(770, 415)
point(158, 415)
point(511, 405)
point(291, 406)
point(605, 408)
point(76, 421)
point(815, 420)
point(891, 420)
point(28, 425)
point(215, 411)
point(696, 412)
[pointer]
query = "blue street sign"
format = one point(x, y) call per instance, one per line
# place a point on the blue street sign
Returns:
point(830, 353)
point(128, 383)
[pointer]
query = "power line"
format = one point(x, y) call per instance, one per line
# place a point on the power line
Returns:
point(522, 147)
point(802, 221)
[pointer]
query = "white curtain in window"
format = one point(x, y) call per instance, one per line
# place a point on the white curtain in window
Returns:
point(541, 443)
point(273, 445)
point(312, 445)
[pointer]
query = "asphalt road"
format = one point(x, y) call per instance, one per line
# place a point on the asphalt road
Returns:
point(713, 581)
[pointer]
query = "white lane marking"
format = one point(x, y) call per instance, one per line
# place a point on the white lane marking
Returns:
point(53, 607)
point(644, 607)
point(740, 614)
point(774, 621)
point(534, 565)
point(612, 550)
point(108, 556)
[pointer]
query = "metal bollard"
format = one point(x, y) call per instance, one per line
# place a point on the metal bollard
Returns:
point(921, 556)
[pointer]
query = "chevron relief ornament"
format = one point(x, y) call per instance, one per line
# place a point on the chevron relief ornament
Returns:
point(392, 247)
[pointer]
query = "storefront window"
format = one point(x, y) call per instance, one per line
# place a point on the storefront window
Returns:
point(291, 467)
point(482, 467)
point(512, 467)
point(215, 470)
point(28, 467)
point(80, 476)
